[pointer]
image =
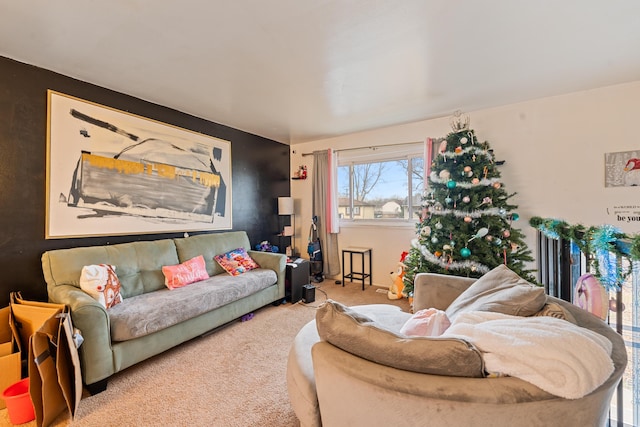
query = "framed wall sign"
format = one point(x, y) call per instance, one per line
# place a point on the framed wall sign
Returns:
point(110, 172)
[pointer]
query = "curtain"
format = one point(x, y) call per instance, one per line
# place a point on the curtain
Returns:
point(325, 208)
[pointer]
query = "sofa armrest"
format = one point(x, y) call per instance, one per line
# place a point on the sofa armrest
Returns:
point(432, 290)
point(272, 261)
point(92, 319)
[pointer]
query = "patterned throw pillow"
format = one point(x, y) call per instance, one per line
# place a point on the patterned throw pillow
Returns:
point(177, 276)
point(101, 282)
point(236, 262)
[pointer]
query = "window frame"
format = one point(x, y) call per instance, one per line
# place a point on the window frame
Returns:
point(415, 151)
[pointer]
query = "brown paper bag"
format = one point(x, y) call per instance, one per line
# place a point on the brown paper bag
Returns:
point(28, 316)
point(10, 363)
point(55, 380)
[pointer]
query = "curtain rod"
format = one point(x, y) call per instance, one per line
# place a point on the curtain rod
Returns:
point(372, 147)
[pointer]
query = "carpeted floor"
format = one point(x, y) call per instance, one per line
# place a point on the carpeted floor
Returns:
point(232, 377)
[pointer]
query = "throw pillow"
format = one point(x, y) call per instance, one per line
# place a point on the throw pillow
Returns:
point(236, 262)
point(429, 322)
point(358, 334)
point(101, 282)
point(177, 276)
point(501, 291)
point(553, 309)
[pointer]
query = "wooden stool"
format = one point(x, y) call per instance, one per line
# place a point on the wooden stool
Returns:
point(357, 275)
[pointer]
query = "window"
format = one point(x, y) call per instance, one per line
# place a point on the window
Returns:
point(381, 183)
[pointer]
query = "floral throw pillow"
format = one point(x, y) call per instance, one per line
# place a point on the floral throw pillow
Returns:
point(236, 262)
point(177, 276)
point(100, 281)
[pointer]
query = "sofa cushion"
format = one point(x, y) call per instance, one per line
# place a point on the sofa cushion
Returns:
point(190, 271)
point(236, 262)
point(154, 311)
point(360, 335)
point(502, 291)
point(554, 309)
point(139, 264)
point(210, 245)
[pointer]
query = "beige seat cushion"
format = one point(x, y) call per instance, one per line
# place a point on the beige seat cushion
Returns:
point(360, 335)
point(501, 291)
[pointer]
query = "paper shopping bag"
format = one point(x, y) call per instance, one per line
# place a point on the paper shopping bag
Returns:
point(10, 360)
point(55, 379)
point(28, 316)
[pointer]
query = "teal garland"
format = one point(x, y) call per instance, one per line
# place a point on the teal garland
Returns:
point(597, 243)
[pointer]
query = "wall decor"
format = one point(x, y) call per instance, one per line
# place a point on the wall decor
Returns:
point(110, 172)
point(622, 169)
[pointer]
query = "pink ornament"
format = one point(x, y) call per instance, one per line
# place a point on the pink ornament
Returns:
point(467, 219)
point(506, 233)
point(497, 185)
point(475, 181)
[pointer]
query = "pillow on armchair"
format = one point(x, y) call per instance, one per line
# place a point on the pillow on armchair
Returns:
point(358, 334)
point(501, 291)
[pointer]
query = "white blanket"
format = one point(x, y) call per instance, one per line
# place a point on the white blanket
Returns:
point(553, 354)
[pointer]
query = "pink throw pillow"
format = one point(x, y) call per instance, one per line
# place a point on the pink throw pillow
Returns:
point(177, 276)
point(429, 322)
point(236, 262)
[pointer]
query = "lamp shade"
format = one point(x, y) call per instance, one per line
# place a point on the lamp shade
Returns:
point(285, 205)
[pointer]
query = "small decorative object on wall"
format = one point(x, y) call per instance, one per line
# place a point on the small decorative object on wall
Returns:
point(111, 173)
point(622, 169)
point(301, 173)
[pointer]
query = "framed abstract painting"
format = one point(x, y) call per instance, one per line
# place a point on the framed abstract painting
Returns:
point(110, 172)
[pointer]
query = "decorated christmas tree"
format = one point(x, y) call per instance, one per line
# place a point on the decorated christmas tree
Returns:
point(466, 222)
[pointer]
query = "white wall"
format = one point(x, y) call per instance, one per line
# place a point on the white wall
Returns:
point(554, 151)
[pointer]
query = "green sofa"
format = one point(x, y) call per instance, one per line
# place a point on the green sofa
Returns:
point(160, 318)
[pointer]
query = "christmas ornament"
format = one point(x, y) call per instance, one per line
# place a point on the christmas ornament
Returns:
point(515, 216)
point(443, 146)
point(466, 199)
point(426, 231)
point(486, 201)
point(451, 184)
point(458, 150)
point(496, 185)
point(497, 241)
point(467, 219)
point(467, 168)
point(434, 239)
point(475, 181)
point(444, 174)
point(480, 233)
point(463, 140)
point(448, 200)
point(506, 233)
point(439, 225)
point(465, 252)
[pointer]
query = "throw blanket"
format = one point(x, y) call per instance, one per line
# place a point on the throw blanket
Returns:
point(553, 354)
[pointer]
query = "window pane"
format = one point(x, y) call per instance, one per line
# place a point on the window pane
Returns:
point(417, 185)
point(380, 189)
point(344, 204)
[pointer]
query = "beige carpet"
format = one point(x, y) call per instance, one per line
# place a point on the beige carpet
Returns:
point(232, 377)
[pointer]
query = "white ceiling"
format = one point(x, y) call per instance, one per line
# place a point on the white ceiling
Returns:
point(299, 70)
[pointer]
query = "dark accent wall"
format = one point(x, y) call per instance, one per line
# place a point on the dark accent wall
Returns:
point(260, 172)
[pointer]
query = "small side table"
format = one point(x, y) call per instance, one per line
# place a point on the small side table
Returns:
point(357, 275)
point(296, 276)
